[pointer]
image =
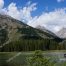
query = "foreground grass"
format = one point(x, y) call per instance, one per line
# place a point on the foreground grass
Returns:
point(20, 59)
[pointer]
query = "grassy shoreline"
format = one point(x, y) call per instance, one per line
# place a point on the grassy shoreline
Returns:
point(20, 58)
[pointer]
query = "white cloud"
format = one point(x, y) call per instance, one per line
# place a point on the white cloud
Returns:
point(52, 20)
point(23, 14)
point(28, 3)
point(13, 11)
point(1, 4)
point(60, 1)
point(26, 12)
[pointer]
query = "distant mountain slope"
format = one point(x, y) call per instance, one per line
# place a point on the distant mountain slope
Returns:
point(61, 33)
point(42, 28)
point(12, 30)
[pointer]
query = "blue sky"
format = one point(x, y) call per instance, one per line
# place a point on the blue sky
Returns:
point(42, 5)
point(50, 14)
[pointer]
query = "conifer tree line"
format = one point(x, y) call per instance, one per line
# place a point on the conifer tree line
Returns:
point(30, 41)
point(30, 45)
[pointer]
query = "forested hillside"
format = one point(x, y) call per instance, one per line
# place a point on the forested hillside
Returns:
point(17, 36)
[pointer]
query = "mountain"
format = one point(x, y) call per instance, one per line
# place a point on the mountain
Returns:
point(14, 29)
point(15, 34)
point(61, 33)
point(47, 31)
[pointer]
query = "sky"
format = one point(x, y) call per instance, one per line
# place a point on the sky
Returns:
point(48, 13)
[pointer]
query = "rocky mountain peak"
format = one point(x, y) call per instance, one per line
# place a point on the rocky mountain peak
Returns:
point(62, 33)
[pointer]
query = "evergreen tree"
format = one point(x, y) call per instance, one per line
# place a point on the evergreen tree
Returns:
point(39, 60)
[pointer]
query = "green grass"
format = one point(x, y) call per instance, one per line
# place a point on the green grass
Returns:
point(20, 60)
point(4, 56)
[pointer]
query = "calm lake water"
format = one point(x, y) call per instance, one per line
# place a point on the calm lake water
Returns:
point(57, 56)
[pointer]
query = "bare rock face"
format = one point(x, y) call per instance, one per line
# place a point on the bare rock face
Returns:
point(46, 30)
point(61, 33)
point(12, 29)
point(15, 35)
point(9, 28)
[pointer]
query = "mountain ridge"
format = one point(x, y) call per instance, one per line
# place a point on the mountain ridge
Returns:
point(12, 31)
point(61, 33)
